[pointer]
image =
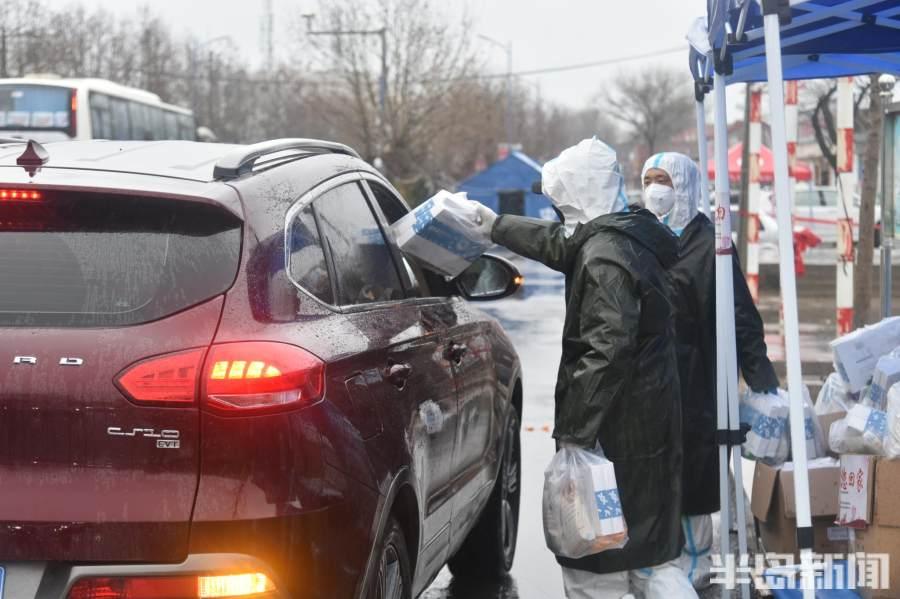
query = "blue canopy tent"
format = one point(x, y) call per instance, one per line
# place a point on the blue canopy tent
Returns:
point(505, 187)
point(774, 40)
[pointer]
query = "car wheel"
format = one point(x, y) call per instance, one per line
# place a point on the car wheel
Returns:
point(489, 550)
point(393, 575)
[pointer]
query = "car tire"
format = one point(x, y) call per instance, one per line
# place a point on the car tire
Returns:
point(489, 549)
point(392, 578)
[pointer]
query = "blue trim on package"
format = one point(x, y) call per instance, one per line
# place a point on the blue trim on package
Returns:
point(608, 503)
point(444, 236)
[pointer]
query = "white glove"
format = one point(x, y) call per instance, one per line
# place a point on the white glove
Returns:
point(485, 219)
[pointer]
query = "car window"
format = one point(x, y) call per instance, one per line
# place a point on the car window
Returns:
point(424, 283)
point(361, 260)
point(307, 259)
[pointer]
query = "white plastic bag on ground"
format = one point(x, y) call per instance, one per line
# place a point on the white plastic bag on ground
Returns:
point(443, 234)
point(892, 424)
point(833, 396)
point(862, 430)
point(581, 507)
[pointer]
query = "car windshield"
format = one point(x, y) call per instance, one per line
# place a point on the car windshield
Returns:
point(35, 107)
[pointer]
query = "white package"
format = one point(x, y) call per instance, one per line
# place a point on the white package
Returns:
point(856, 353)
point(886, 374)
point(443, 233)
point(862, 430)
point(892, 424)
point(582, 511)
point(833, 396)
point(767, 416)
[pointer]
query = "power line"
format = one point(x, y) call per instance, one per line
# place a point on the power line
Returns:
point(568, 67)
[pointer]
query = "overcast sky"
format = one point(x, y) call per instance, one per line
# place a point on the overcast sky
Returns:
point(544, 34)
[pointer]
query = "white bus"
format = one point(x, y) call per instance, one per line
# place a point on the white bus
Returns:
point(48, 108)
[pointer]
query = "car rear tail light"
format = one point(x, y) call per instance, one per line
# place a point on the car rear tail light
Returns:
point(169, 379)
point(255, 585)
point(20, 194)
point(259, 376)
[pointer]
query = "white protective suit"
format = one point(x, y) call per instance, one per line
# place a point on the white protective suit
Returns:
point(686, 181)
point(696, 558)
point(584, 182)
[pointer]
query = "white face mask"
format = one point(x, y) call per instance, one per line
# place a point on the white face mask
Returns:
point(659, 199)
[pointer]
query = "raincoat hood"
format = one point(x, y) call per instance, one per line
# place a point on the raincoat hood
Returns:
point(686, 180)
point(584, 182)
point(640, 225)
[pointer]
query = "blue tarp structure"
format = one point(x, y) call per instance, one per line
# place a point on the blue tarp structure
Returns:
point(824, 39)
point(511, 177)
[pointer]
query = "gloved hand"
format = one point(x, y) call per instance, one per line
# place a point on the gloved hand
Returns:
point(486, 219)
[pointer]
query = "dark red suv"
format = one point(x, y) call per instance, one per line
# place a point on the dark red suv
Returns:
point(220, 378)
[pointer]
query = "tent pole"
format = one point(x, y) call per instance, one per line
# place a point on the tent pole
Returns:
point(846, 184)
point(701, 153)
point(753, 193)
point(789, 295)
point(726, 351)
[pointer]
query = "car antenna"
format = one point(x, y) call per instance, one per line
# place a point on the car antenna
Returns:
point(33, 158)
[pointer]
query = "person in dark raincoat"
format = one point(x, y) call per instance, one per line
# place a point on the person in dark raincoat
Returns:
point(672, 191)
point(618, 380)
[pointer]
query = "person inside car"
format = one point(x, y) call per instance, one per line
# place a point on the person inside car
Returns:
point(618, 381)
point(672, 192)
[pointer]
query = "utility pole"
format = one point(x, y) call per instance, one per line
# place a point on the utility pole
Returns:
point(507, 112)
point(382, 80)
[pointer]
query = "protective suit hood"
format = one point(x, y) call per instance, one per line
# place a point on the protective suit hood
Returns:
point(584, 182)
point(686, 181)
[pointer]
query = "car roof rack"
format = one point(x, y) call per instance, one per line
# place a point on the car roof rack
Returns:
point(242, 160)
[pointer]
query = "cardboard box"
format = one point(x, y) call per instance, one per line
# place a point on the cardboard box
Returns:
point(774, 507)
point(856, 354)
point(856, 490)
point(882, 536)
point(887, 372)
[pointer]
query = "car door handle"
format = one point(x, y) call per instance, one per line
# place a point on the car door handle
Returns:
point(398, 374)
point(456, 351)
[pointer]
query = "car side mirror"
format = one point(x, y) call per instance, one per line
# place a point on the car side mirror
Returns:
point(489, 278)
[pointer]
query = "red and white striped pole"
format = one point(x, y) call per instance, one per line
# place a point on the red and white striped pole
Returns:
point(753, 192)
point(846, 186)
point(791, 126)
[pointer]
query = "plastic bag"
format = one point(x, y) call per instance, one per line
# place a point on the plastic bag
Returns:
point(581, 507)
point(769, 438)
point(443, 233)
point(584, 182)
point(885, 375)
point(862, 430)
point(833, 397)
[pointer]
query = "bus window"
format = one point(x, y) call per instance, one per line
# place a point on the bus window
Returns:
point(121, 127)
point(171, 123)
point(101, 117)
point(43, 107)
point(186, 129)
point(157, 127)
point(140, 125)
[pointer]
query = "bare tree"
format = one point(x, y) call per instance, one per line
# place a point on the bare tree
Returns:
point(654, 104)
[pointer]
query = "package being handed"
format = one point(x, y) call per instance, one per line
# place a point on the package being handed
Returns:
point(443, 233)
point(833, 397)
point(581, 507)
point(862, 430)
point(767, 416)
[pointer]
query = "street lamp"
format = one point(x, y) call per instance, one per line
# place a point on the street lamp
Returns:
point(507, 112)
point(382, 80)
